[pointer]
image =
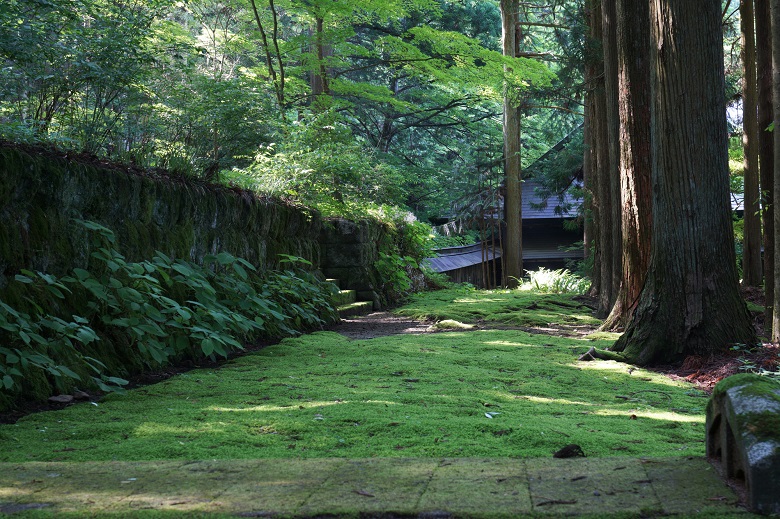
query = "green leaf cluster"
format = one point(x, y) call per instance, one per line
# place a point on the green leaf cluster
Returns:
point(96, 324)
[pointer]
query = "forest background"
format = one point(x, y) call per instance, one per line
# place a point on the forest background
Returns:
point(356, 107)
point(342, 105)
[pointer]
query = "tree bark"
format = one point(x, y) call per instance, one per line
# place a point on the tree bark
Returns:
point(766, 148)
point(589, 166)
point(633, 44)
point(751, 251)
point(599, 149)
point(513, 253)
point(775, 16)
point(690, 303)
point(611, 176)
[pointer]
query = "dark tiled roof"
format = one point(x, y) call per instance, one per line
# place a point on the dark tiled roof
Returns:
point(531, 202)
point(453, 258)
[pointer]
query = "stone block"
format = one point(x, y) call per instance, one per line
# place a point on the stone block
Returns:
point(346, 231)
point(370, 295)
point(743, 437)
point(349, 255)
point(353, 278)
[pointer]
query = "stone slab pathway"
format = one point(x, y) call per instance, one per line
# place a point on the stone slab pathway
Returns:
point(386, 487)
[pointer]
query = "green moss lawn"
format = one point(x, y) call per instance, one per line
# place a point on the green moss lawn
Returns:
point(485, 392)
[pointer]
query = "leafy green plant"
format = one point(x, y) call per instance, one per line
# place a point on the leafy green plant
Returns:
point(160, 309)
point(441, 241)
point(393, 270)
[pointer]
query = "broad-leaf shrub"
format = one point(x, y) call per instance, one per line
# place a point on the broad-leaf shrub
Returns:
point(400, 265)
point(163, 309)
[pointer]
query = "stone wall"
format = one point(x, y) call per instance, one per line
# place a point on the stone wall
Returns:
point(42, 192)
point(350, 251)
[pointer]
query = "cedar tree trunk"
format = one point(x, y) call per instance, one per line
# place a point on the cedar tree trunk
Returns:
point(775, 7)
point(766, 148)
point(633, 41)
point(611, 219)
point(690, 303)
point(599, 145)
point(513, 252)
point(751, 251)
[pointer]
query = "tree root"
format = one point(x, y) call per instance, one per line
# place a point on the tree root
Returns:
point(593, 354)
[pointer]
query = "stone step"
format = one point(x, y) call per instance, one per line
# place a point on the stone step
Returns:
point(350, 303)
point(344, 297)
point(356, 308)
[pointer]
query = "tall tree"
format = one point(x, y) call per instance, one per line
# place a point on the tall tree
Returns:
point(609, 170)
point(595, 143)
point(513, 245)
point(775, 16)
point(690, 303)
point(751, 258)
point(766, 146)
point(633, 50)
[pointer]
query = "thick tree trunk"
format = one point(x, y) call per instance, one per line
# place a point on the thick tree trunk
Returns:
point(690, 303)
point(766, 148)
point(751, 257)
point(599, 146)
point(513, 253)
point(611, 219)
point(633, 45)
point(775, 16)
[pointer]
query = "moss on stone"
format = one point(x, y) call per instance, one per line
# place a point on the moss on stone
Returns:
point(763, 425)
point(754, 384)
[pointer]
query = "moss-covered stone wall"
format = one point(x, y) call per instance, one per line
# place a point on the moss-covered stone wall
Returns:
point(42, 192)
point(350, 251)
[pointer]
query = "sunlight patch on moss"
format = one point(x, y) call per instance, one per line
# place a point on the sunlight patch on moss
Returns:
point(668, 416)
point(546, 400)
point(603, 336)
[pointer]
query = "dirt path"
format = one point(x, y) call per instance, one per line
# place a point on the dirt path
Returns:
point(380, 324)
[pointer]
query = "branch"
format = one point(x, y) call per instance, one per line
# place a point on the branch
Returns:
point(268, 58)
point(276, 46)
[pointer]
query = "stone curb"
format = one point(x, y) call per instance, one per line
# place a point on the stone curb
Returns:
point(386, 487)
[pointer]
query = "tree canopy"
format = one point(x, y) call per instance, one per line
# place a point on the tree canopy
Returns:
point(335, 103)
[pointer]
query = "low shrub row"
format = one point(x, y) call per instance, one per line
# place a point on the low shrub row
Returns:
point(92, 328)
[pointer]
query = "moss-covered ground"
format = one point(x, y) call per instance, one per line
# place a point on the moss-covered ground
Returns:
point(499, 307)
point(466, 393)
point(463, 421)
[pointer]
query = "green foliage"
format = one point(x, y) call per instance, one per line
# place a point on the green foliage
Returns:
point(161, 309)
point(395, 274)
point(410, 91)
point(320, 164)
point(441, 241)
point(400, 265)
point(559, 281)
